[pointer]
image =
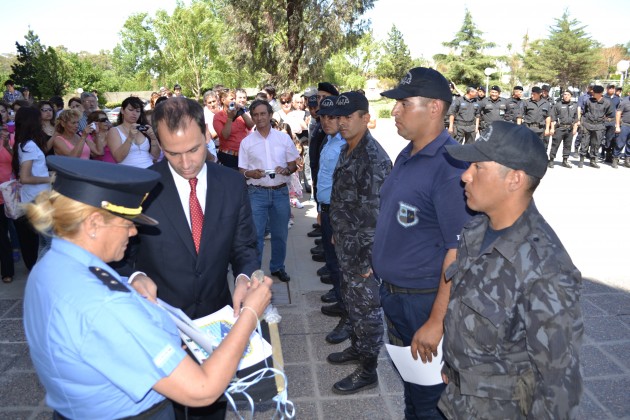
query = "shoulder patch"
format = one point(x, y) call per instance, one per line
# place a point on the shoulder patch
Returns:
point(108, 280)
point(407, 215)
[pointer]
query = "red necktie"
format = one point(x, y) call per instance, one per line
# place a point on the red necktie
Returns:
point(196, 214)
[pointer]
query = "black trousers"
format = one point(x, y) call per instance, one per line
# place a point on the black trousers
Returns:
point(562, 135)
point(29, 241)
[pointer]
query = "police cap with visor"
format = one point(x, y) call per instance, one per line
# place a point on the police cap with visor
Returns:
point(119, 189)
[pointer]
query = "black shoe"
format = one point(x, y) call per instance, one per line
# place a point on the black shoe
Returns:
point(319, 249)
point(318, 257)
point(341, 332)
point(334, 310)
point(550, 164)
point(349, 355)
point(281, 275)
point(329, 297)
point(316, 226)
point(315, 233)
point(322, 271)
point(326, 279)
point(364, 377)
point(318, 241)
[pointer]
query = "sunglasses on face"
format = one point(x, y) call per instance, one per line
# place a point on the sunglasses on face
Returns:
point(285, 102)
point(103, 119)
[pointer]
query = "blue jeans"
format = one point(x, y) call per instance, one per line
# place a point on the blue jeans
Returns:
point(622, 140)
point(406, 313)
point(331, 257)
point(271, 206)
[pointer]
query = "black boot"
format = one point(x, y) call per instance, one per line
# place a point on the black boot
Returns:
point(364, 377)
point(593, 163)
point(550, 164)
point(581, 162)
point(349, 355)
point(566, 164)
point(341, 332)
point(627, 162)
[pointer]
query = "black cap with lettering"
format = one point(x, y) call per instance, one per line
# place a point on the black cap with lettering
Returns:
point(422, 81)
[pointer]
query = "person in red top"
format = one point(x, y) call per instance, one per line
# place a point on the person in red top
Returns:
point(233, 125)
point(6, 257)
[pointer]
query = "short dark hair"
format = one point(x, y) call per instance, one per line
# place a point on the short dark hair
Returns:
point(271, 91)
point(258, 102)
point(74, 99)
point(9, 82)
point(57, 101)
point(176, 112)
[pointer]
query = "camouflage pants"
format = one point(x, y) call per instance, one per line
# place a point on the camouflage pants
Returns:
point(362, 299)
point(454, 405)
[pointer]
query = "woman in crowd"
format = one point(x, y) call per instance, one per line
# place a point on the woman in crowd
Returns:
point(210, 99)
point(99, 135)
point(68, 142)
point(289, 115)
point(29, 167)
point(101, 350)
point(132, 142)
point(48, 124)
point(75, 104)
point(7, 269)
point(232, 129)
point(152, 101)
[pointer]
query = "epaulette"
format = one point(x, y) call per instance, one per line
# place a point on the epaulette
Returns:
point(108, 280)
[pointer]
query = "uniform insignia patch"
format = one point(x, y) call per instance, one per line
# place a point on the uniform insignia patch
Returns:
point(485, 136)
point(407, 79)
point(407, 215)
point(108, 280)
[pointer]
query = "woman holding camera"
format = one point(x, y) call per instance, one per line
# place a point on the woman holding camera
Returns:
point(132, 142)
point(232, 125)
point(68, 142)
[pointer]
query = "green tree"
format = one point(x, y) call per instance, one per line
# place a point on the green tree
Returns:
point(567, 58)
point(288, 42)
point(396, 59)
point(466, 61)
point(351, 68)
point(51, 74)
point(25, 68)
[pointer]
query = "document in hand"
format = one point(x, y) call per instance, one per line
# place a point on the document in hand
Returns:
point(203, 335)
point(414, 371)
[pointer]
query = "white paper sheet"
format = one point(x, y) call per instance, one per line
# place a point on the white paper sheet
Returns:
point(414, 371)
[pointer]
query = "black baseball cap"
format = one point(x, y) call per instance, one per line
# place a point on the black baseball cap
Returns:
point(327, 87)
point(312, 101)
point(327, 105)
point(350, 102)
point(119, 189)
point(495, 87)
point(536, 89)
point(509, 144)
point(422, 81)
point(517, 88)
point(481, 88)
point(545, 87)
point(598, 89)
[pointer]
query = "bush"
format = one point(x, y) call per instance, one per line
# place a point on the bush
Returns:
point(112, 105)
point(384, 113)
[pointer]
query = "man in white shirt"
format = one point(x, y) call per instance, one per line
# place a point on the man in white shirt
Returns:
point(267, 158)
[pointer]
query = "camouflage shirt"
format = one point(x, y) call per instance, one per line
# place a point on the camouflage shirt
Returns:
point(355, 200)
point(513, 328)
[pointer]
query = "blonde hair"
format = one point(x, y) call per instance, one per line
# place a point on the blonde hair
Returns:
point(65, 116)
point(62, 215)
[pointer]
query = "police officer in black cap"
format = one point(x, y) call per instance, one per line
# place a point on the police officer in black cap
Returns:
point(564, 120)
point(597, 110)
point(514, 105)
point(536, 115)
point(491, 108)
point(462, 117)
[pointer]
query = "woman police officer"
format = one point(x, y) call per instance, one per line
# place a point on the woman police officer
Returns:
point(100, 349)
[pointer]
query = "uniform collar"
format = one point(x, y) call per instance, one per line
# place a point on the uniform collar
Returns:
point(430, 149)
point(83, 256)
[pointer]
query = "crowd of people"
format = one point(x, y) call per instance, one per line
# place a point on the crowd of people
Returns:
point(443, 245)
point(596, 124)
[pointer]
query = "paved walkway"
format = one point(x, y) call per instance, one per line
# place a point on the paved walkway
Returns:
point(584, 207)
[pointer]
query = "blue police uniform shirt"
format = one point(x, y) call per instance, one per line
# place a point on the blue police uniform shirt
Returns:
point(98, 352)
point(327, 163)
point(423, 211)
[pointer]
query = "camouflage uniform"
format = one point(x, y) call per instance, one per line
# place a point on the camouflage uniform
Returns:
point(354, 204)
point(514, 327)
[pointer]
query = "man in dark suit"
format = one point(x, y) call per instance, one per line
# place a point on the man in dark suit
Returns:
point(205, 221)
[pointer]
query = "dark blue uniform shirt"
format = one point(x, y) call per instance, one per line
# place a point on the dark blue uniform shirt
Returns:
point(423, 210)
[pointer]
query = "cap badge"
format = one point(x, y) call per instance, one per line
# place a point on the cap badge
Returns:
point(407, 79)
point(343, 100)
point(486, 135)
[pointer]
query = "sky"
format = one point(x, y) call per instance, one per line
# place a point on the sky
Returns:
point(87, 26)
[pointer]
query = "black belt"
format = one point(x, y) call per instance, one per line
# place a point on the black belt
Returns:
point(275, 187)
point(324, 207)
point(565, 125)
point(408, 291)
point(145, 415)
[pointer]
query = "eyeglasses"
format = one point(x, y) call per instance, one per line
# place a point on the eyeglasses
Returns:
point(285, 102)
point(46, 110)
point(103, 119)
